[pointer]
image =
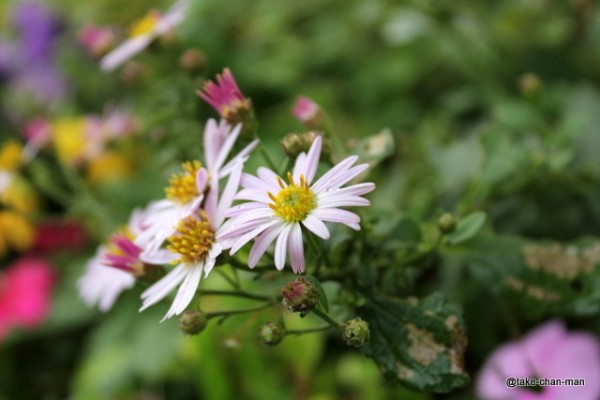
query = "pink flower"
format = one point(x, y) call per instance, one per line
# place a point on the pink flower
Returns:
point(96, 40)
point(55, 235)
point(546, 352)
point(225, 96)
point(280, 212)
point(25, 294)
point(307, 111)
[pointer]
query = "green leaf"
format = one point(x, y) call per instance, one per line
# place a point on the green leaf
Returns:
point(467, 227)
point(419, 343)
point(322, 303)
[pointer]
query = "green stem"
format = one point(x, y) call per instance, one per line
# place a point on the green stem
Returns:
point(267, 157)
point(240, 293)
point(228, 279)
point(325, 317)
point(310, 330)
point(223, 315)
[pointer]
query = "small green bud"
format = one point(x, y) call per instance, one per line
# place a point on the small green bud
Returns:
point(446, 223)
point(356, 332)
point(295, 143)
point(300, 296)
point(271, 333)
point(192, 322)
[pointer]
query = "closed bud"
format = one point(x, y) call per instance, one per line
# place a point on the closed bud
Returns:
point(446, 223)
point(300, 296)
point(271, 333)
point(295, 143)
point(192, 322)
point(308, 112)
point(356, 332)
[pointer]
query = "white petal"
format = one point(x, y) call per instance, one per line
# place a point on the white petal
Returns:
point(355, 190)
point(211, 142)
point(228, 194)
point(186, 291)
point(163, 287)
point(299, 166)
point(312, 159)
point(201, 180)
point(296, 249)
point(343, 178)
point(270, 177)
point(158, 257)
point(125, 51)
point(226, 170)
point(336, 215)
point(262, 243)
point(343, 201)
point(323, 182)
point(254, 195)
point(173, 17)
point(226, 148)
point(281, 247)
point(316, 226)
point(252, 234)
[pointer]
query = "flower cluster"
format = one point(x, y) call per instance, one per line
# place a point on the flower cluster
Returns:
point(197, 222)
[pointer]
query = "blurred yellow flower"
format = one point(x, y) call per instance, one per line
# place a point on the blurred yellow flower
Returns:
point(11, 156)
point(19, 195)
point(144, 25)
point(108, 167)
point(15, 232)
point(69, 139)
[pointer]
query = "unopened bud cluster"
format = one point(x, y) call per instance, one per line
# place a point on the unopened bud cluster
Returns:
point(295, 143)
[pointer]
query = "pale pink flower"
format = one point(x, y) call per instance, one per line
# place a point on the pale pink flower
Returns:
point(25, 294)
point(194, 249)
point(183, 200)
point(225, 96)
point(306, 111)
point(111, 270)
point(277, 211)
point(550, 352)
point(38, 132)
point(137, 43)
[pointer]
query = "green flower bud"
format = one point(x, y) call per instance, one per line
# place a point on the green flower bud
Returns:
point(295, 143)
point(192, 322)
point(446, 223)
point(356, 332)
point(300, 296)
point(271, 333)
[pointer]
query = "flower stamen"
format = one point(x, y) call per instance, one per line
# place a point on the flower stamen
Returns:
point(182, 186)
point(294, 201)
point(193, 239)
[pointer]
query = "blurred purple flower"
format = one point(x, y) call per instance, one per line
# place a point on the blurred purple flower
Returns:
point(547, 352)
point(28, 62)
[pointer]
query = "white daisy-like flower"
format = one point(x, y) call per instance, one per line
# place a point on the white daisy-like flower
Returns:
point(112, 269)
point(194, 249)
point(186, 190)
point(277, 211)
point(144, 32)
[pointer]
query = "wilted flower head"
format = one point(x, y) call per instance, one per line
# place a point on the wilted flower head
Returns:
point(546, 352)
point(25, 294)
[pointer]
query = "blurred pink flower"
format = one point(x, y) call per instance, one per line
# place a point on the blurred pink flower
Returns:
point(306, 111)
point(546, 352)
point(96, 40)
point(25, 294)
point(54, 235)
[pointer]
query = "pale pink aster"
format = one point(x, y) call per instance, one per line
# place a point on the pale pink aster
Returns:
point(225, 96)
point(25, 294)
point(136, 44)
point(111, 270)
point(277, 211)
point(38, 132)
point(96, 40)
point(306, 110)
point(550, 352)
point(193, 248)
point(183, 200)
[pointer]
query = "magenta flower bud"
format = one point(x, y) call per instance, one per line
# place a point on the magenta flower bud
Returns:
point(307, 111)
point(192, 322)
point(227, 99)
point(271, 333)
point(300, 296)
point(96, 40)
point(356, 332)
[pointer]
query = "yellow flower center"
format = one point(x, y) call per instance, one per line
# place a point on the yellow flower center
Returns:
point(11, 156)
point(182, 186)
point(144, 25)
point(294, 201)
point(193, 239)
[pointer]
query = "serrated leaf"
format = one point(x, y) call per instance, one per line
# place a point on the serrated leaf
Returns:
point(322, 303)
point(419, 343)
point(467, 227)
